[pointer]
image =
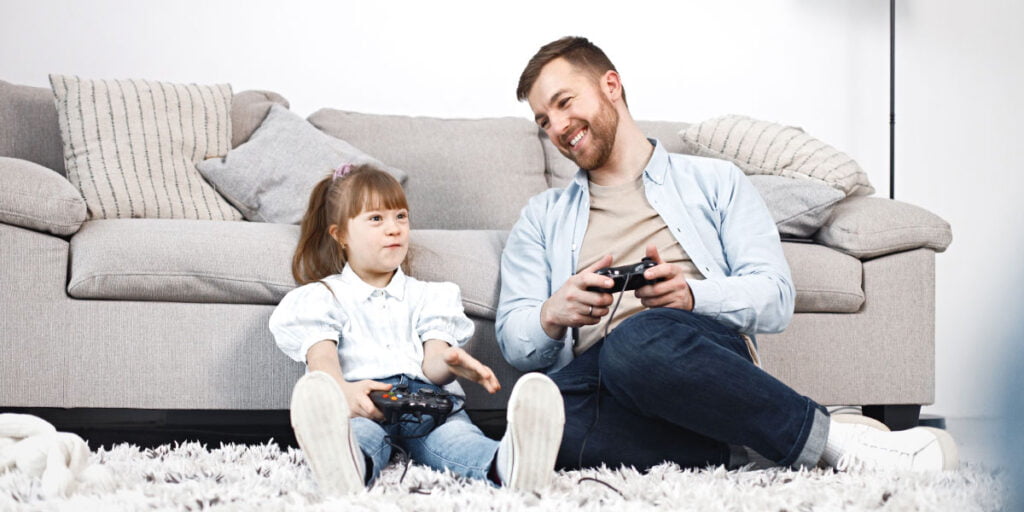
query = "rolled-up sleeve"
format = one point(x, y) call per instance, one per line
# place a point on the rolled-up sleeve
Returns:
point(306, 315)
point(442, 316)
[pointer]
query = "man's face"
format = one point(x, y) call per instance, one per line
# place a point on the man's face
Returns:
point(575, 113)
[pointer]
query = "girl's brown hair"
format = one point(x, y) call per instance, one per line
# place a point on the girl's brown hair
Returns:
point(340, 196)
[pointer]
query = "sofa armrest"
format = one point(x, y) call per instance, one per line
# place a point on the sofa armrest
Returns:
point(34, 197)
point(867, 227)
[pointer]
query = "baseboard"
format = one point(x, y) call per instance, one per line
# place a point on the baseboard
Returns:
point(148, 428)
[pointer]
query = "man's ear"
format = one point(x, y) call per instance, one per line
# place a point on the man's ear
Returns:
point(611, 85)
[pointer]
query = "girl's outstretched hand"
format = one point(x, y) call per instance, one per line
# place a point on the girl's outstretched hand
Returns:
point(357, 394)
point(466, 366)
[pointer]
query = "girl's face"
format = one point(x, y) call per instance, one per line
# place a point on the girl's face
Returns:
point(376, 243)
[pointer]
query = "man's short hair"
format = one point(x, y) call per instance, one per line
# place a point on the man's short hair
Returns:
point(578, 51)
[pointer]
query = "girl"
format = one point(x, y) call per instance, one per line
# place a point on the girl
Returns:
point(361, 324)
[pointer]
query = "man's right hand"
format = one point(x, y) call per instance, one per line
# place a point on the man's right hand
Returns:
point(357, 394)
point(573, 306)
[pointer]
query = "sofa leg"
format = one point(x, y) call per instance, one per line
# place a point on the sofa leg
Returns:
point(896, 417)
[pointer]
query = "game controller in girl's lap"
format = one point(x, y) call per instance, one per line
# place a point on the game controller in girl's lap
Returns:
point(425, 402)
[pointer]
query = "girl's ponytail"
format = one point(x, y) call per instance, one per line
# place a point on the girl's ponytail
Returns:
point(318, 255)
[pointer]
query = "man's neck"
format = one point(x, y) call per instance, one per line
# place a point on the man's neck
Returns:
point(629, 157)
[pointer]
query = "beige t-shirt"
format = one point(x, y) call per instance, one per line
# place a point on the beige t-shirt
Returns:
point(622, 223)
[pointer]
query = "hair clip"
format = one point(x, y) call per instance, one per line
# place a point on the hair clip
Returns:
point(341, 171)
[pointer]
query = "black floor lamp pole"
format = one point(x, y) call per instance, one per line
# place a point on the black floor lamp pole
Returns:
point(892, 99)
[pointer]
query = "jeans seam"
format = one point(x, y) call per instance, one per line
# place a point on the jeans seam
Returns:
point(805, 433)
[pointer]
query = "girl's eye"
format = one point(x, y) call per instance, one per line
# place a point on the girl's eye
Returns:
point(403, 215)
point(563, 103)
point(376, 218)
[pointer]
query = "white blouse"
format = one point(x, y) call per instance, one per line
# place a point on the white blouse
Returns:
point(379, 331)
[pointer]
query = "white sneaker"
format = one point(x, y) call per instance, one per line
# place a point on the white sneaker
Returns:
point(320, 418)
point(856, 446)
point(536, 417)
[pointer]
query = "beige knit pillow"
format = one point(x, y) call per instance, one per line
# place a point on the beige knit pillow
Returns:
point(131, 146)
point(761, 147)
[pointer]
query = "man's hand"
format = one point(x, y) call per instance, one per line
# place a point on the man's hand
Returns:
point(573, 306)
point(466, 366)
point(673, 292)
point(357, 394)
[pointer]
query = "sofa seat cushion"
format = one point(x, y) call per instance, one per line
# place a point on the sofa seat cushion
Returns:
point(250, 262)
point(826, 280)
point(177, 260)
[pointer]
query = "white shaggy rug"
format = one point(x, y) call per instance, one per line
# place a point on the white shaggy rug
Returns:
point(263, 477)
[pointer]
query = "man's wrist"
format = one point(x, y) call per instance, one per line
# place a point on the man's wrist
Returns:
point(552, 329)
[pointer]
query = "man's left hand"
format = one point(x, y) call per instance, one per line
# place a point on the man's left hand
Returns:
point(673, 292)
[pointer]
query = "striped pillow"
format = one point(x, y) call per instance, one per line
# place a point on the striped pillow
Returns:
point(761, 147)
point(131, 146)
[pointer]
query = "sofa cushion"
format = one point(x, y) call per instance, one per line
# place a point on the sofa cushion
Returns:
point(826, 280)
point(867, 227)
point(250, 262)
point(463, 173)
point(37, 198)
point(269, 178)
point(182, 261)
point(248, 110)
point(799, 207)
point(762, 147)
point(131, 146)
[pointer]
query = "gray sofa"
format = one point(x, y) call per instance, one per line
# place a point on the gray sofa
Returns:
point(172, 314)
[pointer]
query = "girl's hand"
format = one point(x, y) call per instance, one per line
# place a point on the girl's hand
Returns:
point(466, 366)
point(357, 394)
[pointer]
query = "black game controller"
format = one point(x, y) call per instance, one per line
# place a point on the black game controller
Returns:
point(425, 402)
point(626, 277)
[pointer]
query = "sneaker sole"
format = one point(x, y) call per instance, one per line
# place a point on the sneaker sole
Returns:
point(320, 419)
point(535, 406)
point(950, 453)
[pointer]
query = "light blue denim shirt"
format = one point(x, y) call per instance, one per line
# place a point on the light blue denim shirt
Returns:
point(711, 208)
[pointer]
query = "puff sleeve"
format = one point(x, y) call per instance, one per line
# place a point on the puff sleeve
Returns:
point(306, 315)
point(442, 317)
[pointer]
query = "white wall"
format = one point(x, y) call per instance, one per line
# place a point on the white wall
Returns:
point(819, 65)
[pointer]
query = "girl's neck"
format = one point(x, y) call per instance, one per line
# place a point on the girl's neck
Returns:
point(374, 279)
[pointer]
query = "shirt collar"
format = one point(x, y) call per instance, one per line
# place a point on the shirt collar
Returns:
point(362, 290)
point(656, 168)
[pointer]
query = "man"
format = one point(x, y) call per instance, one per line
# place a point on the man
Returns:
point(671, 372)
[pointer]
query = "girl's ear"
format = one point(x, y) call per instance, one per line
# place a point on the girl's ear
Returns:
point(335, 233)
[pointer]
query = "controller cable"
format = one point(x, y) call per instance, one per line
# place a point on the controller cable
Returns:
point(597, 395)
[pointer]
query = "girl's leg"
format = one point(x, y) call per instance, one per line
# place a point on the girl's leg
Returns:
point(457, 445)
point(372, 439)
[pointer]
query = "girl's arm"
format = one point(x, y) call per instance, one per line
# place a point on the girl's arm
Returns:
point(323, 357)
point(443, 362)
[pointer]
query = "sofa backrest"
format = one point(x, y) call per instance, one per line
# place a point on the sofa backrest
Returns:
point(463, 173)
point(29, 128)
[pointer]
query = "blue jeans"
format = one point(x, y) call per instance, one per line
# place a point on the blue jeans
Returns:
point(680, 387)
point(456, 444)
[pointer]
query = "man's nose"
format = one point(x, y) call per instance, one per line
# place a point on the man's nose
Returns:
point(559, 123)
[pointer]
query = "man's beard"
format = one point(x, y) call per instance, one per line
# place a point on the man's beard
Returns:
point(601, 132)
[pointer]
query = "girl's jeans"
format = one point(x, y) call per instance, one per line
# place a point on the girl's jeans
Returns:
point(457, 444)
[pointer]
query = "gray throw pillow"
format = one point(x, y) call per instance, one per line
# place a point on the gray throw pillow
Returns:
point(269, 178)
point(799, 206)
